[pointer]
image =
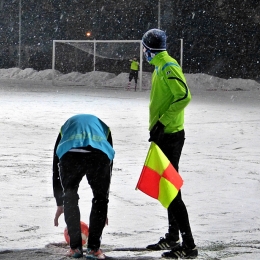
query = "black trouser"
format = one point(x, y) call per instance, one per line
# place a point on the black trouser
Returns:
point(171, 145)
point(133, 74)
point(97, 168)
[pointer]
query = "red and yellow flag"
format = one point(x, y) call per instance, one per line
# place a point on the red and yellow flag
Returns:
point(159, 179)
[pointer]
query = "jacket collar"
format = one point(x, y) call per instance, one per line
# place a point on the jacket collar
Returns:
point(158, 57)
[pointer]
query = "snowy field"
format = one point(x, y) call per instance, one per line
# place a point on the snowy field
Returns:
point(220, 164)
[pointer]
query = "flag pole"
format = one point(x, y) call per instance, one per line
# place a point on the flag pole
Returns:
point(147, 158)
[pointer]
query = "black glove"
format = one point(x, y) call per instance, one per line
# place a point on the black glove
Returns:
point(156, 132)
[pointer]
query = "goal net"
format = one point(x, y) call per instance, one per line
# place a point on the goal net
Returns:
point(95, 63)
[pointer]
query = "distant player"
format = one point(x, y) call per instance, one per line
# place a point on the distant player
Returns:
point(134, 67)
point(83, 148)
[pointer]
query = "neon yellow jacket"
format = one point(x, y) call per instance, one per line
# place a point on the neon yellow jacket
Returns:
point(169, 94)
point(134, 65)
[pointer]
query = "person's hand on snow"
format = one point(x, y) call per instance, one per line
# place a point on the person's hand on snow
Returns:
point(59, 211)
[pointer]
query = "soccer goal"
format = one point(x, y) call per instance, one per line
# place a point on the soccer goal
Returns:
point(74, 60)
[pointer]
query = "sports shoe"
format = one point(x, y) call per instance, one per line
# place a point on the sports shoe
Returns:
point(182, 252)
point(128, 86)
point(75, 253)
point(164, 244)
point(94, 254)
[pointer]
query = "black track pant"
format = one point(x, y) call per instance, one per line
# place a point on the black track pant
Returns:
point(133, 74)
point(96, 166)
point(171, 145)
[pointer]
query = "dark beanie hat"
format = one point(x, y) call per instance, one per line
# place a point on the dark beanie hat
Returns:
point(154, 40)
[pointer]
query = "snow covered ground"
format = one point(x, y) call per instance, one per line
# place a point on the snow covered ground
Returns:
point(219, 165)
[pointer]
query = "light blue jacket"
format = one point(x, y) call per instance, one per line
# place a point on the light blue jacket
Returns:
point(83, 130)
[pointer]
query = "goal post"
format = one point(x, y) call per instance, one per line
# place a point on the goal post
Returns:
point(98, 55)
point(115, 50)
